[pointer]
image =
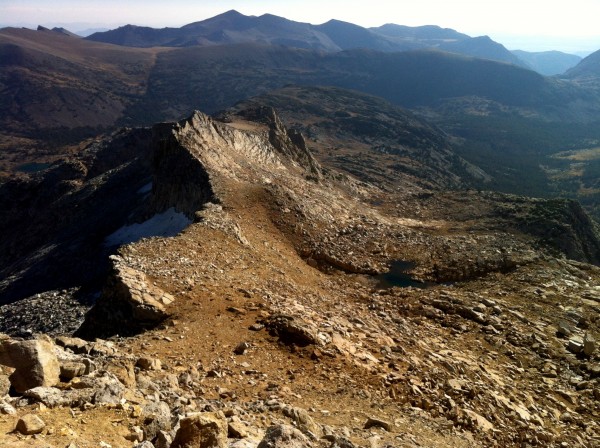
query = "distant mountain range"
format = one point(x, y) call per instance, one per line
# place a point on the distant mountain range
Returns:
point(233, 27)
point(93, 84)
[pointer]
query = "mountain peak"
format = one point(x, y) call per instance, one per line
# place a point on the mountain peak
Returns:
point(339, 23)
point(231, 13)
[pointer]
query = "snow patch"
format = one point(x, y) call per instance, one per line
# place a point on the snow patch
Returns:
point(145, 189)
point(166, 224)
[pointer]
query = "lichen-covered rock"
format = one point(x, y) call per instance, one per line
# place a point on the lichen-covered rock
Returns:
point(156, 419)
point(283, 436)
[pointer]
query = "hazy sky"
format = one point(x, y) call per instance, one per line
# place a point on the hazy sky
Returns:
point(533, 25)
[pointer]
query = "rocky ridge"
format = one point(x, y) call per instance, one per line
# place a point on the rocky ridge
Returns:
point(278, 333)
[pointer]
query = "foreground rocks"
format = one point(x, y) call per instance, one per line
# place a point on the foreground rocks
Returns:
point(34, 361)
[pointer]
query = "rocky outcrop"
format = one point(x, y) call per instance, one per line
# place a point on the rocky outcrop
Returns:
point(34, 361)
point(202, 430)
point(289, 142)
point(128, 305)
point(292, 330)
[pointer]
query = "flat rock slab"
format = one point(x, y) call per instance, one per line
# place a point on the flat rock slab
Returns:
point(129, 304)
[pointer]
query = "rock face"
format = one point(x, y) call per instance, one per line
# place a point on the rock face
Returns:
point(179, 179)
point(202, 430)
point(129, 304)
point(34, 362)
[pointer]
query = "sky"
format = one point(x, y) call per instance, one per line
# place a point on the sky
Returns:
point(532, 25)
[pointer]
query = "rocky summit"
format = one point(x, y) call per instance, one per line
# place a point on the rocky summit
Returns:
point(246, 293)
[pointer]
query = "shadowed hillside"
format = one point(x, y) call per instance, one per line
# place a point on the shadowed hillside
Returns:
point(587, 72)
point(548, 62)
point(369, 138)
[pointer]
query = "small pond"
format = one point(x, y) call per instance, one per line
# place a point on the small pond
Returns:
point(398, 276)
point(33, 167)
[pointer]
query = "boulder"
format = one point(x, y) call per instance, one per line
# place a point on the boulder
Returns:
point(128, 305)
point(146, 363)
point(589, 344)
point(30, 424)
point(156, 419)
point(104, 389)
point(101, 388)
point(107, 390)
point(70, 370)
point(478, 421)
point(163, 440)
point(7, 408)
point(34, 361)
point(377, 423)
point(575, 346)
point(202, 430)
point(303, 421)
point(144, 444)
point(49, 396)
point(293, 330)
point(76, 345)
point(237, 430)
point(284, 436)
point(564, 329)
